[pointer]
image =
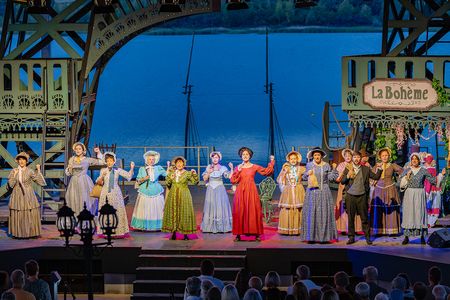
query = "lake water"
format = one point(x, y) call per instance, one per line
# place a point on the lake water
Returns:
point(140, 100)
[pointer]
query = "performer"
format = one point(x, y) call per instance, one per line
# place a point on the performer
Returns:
point(109, 179)
point(318, 222)
point(24, 215)
point(415, 220)
point(292, 195)
point(247, 216)
point(80, 184)
point(339, 210)
point(357, 187)
point(217, 216)
point(179, 211)
point(385, 204)
point(433, 193)
point(149, 207)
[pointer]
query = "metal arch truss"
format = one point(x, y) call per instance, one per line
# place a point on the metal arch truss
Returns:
point(52, 100)
point(391, 119)
point(404, 21)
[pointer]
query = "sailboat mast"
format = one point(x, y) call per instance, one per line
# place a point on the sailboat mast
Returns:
point(188, 92)
point(269, 90)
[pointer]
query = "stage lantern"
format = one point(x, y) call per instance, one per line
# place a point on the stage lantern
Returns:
point(86, 224)
point(108, 220)
point(66, 222)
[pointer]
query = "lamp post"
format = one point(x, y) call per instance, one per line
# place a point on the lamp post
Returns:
point(67, 223)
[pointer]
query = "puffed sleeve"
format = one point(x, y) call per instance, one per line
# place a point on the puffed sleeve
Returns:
point(141, 173)
point(309, 167)
point(162, 171)
point(431, 179)
point(70, 164)
point(38, 178)
point(12, 180)
point(193, 178)
point(397, 169)
point(236, 177)
point(225, 172)
point(332, 173)
point(169, 179)
point(266, 171)
point(99, 161)
point(127, 175)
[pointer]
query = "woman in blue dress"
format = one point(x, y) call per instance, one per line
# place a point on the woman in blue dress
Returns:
point(217, 217)
point(149, 207)
point(318, 221)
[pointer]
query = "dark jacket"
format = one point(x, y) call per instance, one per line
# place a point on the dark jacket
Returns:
point(366, 173)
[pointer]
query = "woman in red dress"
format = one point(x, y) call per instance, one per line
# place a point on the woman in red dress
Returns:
point(247, 216)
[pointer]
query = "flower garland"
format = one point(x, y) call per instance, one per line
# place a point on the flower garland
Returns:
point(443, 97)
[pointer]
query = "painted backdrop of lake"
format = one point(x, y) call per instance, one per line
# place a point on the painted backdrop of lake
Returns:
point(140, 100)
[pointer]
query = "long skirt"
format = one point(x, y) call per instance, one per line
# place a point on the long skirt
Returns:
point(148, 212)
point(24, 223)
point(179, 211)
point(115, 199)
point(318, 222)
point(415, 219)
point(217, 215)
point(290, 217)
point(78, 192)
point(385, 210)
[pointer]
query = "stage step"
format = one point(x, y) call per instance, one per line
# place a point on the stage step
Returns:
point(155, 296)
point(161, 273)
point(179, 273)
point(189, 260)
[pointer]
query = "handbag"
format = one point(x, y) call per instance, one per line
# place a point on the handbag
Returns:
point(96, 191)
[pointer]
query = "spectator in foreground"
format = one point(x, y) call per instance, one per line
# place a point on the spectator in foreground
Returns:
point(434, 278)
point(214, 293)
point(420, 291)
point(303, 274)
point(207, 272)
point(252, 294)
point(300, 291)
point(370, 275)
point(330, 295)
point(439, 292)
point(362, 291)
point(193, 288)
point(4, 281)
point(230, 292)
point(398, 288)
point(256, 283)
point(38, 287)
point(272, 282)
point(341, 282)
point(8, 296)
point(315, 294)
point(205, 287)
point(241, 281)
point(18, 281)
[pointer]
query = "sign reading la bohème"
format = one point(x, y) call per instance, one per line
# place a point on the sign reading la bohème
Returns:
point(400, 94)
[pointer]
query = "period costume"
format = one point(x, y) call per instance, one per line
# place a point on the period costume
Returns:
point(80, 184)
point(247, 215)
point(149, 208)
point(357, 190)
point(112, 191)
point(178, 210)
point(217, 215)
point(318, 221)
point(415, 219)
point(24, 209)
point(433, 192)
point(292, 196)
point(385, 201)
point(339, 210)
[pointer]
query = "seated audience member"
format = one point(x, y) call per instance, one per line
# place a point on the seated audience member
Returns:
point(342, 282)
point(214, 293)
point(253, 294)
point(315, 294)
point(439, 292)
point(381, 296)
point(205, 287)
point(230, 292)
point(408, 292)
point(256, 283)
point(420, 291)
point(8, 296)
point(272, 283)
point(303, 274)
point(300, 291)
point(193, 288)
point(4, 281)
point(38, 287)
point(362, 291)
point(330, 295)
point(434, 278)
point(241, 281)
point(370, 275)
point(207, 272)
point(18, 281)
point(398, 288)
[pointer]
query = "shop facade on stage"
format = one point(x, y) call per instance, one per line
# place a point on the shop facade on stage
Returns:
point(318, 220)
point(217, 217)
point(24, 208)
point(149, 208)
point(111, 191)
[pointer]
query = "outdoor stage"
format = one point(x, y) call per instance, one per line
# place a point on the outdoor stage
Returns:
point(118, 268)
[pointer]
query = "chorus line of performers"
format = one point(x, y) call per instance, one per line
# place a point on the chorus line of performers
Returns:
point(367, 200)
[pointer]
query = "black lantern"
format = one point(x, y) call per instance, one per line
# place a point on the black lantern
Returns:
point(86, 224)
point(66, 222)
point(108, 220)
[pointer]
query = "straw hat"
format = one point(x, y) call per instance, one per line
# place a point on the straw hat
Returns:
point(316, 150)
point(384, 149)
point(23, 155)
point(176, 158)
point(152, 153)
point(215, 153)
point(299, 156)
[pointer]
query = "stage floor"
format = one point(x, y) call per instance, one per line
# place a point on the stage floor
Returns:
point(271, 239)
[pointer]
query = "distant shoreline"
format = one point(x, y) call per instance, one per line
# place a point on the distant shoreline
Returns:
point(262, 30)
